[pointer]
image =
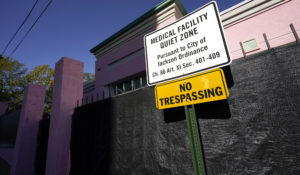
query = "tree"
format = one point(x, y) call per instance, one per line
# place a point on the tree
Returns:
point(44, 76)
point(88, 77)
point(12, 82)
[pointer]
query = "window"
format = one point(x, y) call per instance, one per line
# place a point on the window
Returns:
point(144, 81)
point(119, 88)
point(129, 85)
point(250, 45)
point(137, 82)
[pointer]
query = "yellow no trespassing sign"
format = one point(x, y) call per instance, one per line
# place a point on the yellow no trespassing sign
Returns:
point(200, 88)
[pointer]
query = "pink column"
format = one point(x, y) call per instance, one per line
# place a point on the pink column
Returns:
point(3, 106)
point(68, 88)
point(26, 141)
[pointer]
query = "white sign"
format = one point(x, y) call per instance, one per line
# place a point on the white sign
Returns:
point(193, 44)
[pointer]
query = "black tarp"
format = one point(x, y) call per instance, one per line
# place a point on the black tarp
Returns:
point(90, 142)
point(41, 149)
point(260, 134)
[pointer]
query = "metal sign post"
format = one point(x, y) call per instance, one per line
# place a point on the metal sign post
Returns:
point(200, 88)
point(191, 45)
point(195, 140)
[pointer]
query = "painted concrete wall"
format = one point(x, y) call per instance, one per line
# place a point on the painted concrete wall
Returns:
point(68, 88)
point(26, 142)
point(131, 67)
point(21, 157)
point(274, 22)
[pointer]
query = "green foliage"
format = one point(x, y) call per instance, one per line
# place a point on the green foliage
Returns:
point(88, 77)
point(14, 79)
point(44, 76)
point(12, 82)
point(41, 75)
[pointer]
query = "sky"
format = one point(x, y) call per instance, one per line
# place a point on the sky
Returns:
point(72, 27)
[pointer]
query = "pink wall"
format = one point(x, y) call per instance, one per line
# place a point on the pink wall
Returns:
point(68, 88)
point(26, 141)
point(106, 76)
point(134, 66)
point(274, 22)
point(21, 157)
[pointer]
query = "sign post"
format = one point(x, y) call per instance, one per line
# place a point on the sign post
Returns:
point(191, 45)
point(195, 140)
point(199, 88)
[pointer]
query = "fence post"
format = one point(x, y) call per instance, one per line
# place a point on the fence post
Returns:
point(267, 42)
point(26, 141)
point(295, 33)
point(68, 87)
point(244, 53)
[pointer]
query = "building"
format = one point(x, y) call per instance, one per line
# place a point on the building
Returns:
point(120, 65)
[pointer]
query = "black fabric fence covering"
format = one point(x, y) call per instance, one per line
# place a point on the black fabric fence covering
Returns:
point(42, 145)
point(90, 142)
point(255, 131)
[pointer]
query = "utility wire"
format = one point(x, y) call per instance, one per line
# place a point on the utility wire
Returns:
point(26, 18)
point(31, 28)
